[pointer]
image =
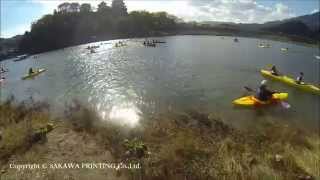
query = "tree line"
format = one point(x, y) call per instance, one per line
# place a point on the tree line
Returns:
point(74, 23)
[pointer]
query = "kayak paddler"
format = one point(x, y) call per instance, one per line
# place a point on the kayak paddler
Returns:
point(274, 71)
point(300, 78)
point(263, 93)
point(31, 70)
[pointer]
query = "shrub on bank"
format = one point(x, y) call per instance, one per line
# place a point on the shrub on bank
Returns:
point(22, 125)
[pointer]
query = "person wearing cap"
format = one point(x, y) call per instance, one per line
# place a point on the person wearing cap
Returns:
point(31, 70)
point(300, 78)
point(274, 71)
point(263, 93)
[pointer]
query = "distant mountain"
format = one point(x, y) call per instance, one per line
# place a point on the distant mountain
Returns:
point(304, 26)
point(216, 23)
point(311, 20)
point(292, 27)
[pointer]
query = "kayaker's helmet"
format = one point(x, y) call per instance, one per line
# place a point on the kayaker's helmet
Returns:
point(264, 83)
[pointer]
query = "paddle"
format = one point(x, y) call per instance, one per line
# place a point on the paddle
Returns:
point(249, 89)
point(283, 104)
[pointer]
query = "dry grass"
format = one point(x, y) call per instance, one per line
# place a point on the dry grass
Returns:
point(183, 145)
point(308, 158)
point(20, 127)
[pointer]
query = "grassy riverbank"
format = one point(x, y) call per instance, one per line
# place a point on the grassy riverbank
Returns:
point(172, 145)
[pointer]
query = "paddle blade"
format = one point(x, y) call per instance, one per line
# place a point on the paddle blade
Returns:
point(285, 105)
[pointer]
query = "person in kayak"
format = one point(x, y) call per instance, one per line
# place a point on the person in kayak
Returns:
point(31, 70)
point(1, 77)
point(300, 78)
point(3, 70)
point(263, 93)
point(274, 71)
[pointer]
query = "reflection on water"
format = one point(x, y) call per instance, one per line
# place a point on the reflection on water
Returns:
point(187, 72)
point(127, 115)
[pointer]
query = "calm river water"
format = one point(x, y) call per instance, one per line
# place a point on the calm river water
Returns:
point(204, 72)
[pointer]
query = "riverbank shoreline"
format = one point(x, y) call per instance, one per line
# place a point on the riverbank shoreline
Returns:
point(263, 36)
point(170, 145)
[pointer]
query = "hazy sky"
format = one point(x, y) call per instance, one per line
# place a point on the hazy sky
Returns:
point(17, 15)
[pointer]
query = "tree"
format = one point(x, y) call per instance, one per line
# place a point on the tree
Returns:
point(25, 43)
point(74, 7)
point(76, 24)
point(64, 7)
point(85, 7)
point(105, 19)
point(102, 7)
point(119, 8)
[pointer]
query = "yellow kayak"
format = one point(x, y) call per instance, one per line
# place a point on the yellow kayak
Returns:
point(39, 71)
point(251, 101)
point(287, 80)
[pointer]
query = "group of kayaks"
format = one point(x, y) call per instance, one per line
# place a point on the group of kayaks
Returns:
point(21, 57)
point(264, 45)
point(292, 82)
point(120, 44)
point(252, 101)
point(92, 49)
point(152, 43)
point(283, 50)
point(2, 71)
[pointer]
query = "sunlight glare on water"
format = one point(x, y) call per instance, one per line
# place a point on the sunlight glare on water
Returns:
point(186, 72)
point(127, 115)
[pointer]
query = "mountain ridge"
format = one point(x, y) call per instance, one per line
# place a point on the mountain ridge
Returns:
point(311, 20)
